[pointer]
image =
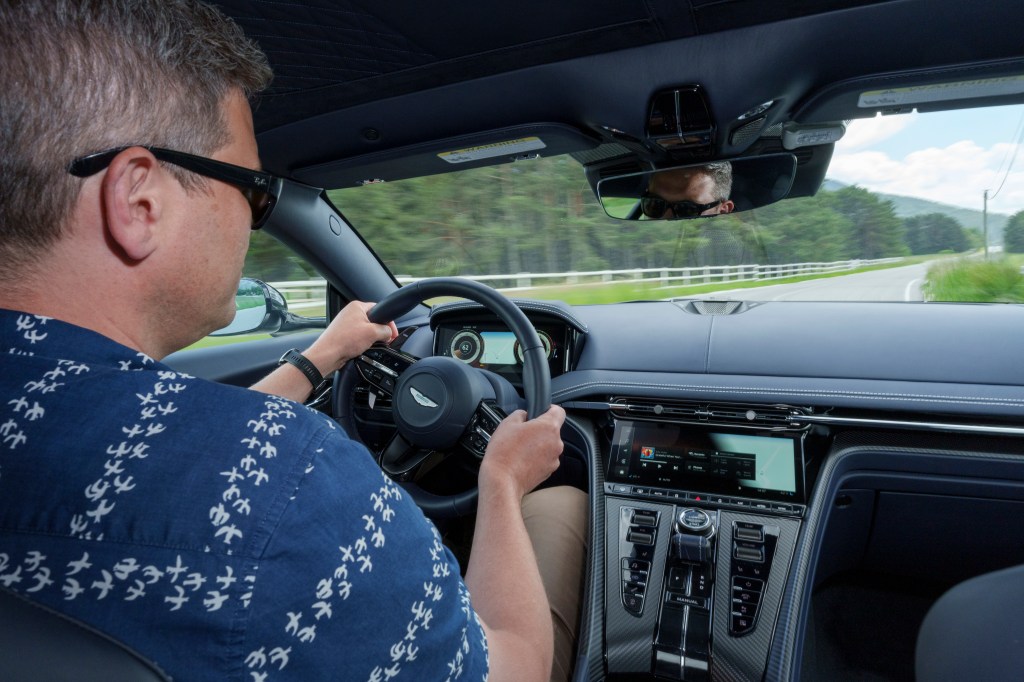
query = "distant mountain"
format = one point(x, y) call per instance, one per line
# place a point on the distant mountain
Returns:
point(906, 207)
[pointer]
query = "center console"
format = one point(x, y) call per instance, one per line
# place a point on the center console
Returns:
point(702, 522)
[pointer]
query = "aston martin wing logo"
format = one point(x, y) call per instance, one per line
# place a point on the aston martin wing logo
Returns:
point(422, 399)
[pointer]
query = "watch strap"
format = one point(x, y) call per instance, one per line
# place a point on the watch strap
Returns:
point(298, 360)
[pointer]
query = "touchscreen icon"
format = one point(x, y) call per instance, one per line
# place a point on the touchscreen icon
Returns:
point(646, 453)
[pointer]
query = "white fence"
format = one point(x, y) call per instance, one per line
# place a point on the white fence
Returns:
point(310, 292)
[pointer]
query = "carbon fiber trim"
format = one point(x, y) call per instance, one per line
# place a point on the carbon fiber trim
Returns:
point(590, 651)
point(743, 659)
point(629, 639)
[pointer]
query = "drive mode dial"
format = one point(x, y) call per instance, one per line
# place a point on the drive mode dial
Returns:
point(694, 521)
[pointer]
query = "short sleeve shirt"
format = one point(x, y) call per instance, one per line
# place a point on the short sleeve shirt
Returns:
point(220, 532)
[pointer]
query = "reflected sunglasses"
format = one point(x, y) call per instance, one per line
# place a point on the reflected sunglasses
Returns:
point(260, 189)
point(654, 206)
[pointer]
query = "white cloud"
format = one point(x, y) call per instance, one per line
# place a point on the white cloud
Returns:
point(957, 174)
point(863, 132)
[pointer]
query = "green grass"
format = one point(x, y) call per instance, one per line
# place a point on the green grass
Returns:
point(976, 281)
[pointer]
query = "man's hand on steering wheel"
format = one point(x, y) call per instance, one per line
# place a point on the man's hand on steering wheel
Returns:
point(349, 334)
point(522, 453)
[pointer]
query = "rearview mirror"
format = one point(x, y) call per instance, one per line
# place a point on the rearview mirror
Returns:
point(260, 308)
point(698, 190)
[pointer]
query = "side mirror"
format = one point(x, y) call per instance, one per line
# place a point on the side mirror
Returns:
point(698, 190)
point(262, 309)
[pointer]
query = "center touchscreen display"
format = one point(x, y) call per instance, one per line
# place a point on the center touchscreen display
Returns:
point(684, 457)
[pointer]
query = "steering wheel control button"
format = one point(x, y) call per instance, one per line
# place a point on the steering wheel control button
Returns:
point(485, 420)
point(382, 367)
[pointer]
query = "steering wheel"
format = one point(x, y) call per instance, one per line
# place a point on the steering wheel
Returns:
point(440, 403)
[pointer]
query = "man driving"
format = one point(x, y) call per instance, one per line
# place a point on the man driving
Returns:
point(222, 532)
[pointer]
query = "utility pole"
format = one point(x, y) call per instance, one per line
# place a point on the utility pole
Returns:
point(984, 223)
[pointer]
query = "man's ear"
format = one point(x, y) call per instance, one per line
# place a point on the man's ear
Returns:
point(133, 193)
point(727, 206)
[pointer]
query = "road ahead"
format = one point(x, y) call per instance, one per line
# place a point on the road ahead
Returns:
point(892, 284)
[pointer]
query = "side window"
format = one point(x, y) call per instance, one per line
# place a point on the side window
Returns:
point(271, 261)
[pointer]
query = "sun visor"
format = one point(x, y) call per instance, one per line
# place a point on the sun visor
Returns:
point(974, 85)
point(517, 143)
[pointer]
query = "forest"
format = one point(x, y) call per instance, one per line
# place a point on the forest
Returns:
point(541, 216)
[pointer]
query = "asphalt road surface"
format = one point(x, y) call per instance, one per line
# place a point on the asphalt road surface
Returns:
point(892, 284)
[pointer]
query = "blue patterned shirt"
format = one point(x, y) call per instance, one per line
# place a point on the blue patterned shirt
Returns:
point(221, 532)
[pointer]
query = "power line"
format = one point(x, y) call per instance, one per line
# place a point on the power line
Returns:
point(1016, 147)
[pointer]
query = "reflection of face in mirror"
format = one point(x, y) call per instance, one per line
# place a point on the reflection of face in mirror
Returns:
point(689, 192)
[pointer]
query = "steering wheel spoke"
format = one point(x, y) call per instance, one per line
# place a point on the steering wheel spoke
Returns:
point(481, 427)
point(400, 459)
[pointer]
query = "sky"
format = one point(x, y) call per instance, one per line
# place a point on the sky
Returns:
point(951, 157)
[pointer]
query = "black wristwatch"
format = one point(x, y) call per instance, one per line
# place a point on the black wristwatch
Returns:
point(294, 357)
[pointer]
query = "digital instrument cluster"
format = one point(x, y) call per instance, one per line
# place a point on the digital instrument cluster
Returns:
point(495, 348)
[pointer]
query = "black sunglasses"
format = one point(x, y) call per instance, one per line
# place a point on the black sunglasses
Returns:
point(654, 206)
point(260, 189)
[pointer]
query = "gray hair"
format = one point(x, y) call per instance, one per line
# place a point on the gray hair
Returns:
point(80, 76)
point(720, 173)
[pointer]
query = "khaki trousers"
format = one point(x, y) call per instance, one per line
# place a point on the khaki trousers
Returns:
point(556, 521)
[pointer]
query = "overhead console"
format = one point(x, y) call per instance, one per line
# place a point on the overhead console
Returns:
point(703, 505)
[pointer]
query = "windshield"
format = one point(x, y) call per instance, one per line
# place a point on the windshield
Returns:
point(903, 216)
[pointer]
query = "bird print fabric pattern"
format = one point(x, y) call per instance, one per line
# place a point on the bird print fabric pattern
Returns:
point(221, 532)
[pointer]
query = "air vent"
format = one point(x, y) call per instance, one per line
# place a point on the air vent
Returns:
point(775, 417)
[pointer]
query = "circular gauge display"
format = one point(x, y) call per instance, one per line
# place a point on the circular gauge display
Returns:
point(545, 339)
point(466, 346)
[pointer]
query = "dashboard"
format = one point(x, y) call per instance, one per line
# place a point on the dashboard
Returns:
point(739, 457)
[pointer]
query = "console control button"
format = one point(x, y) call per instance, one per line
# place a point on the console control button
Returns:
point(742, 553)
point(741, 625)
point(635, 576)
point(749, 532)
point(744, 568)
point(749, 584)
point(639, 537)
point(746, 596)
point(633, 588)
point(634, 603)
point(700, 581)
point(678, 578)
point(644, 519)
point(753, 550)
